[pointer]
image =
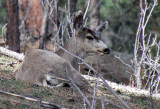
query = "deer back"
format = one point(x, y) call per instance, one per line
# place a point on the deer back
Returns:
point(44, 67)
point(40, 64)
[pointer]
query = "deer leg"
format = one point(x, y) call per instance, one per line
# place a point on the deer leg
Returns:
point(52, 81)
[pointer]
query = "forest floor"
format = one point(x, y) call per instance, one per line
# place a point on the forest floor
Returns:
point(65, 97)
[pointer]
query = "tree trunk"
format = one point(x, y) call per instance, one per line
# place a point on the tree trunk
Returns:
point(13, 25)
point(39, 23)
point(139, 51)
point(30, 14)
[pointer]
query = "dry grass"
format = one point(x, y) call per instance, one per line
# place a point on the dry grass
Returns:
point(66, 97)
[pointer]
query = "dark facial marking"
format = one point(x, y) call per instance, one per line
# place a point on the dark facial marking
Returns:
point(89, 37)
point(94, 34)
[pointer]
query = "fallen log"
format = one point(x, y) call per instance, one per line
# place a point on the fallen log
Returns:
point(12, 54)
point(127, 90)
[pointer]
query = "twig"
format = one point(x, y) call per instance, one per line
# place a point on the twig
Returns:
point(94, 93)
point(140, 59)
point(50, 104)
point(105, 100)
point(80, 91)
point(21, 57)
point(127, 90)
point(154, 4)
point(106, 84)
point(73, 83)
point(86, 9)
point(123, 62)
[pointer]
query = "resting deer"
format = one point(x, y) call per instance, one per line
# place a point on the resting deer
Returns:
point(44, 67)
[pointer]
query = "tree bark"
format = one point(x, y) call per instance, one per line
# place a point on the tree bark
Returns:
point(13, 25)
point(30, 14)
point(39, 24)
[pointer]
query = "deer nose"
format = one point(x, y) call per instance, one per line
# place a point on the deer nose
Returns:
point(106, 50)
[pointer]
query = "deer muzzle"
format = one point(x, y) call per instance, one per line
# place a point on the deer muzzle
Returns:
point(106, 51)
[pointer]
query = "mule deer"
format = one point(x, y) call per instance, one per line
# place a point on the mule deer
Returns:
point(45, 67)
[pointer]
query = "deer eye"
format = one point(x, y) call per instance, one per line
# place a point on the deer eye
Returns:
point(89, 37)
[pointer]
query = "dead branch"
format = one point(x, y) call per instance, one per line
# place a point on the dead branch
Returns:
point(86, 9)
point(73, 83)
point(11, 54)
point(43, 103)
point(105, 100)
point(97, 73)
point(117, 87)
point(127, 90)
point(141, 45)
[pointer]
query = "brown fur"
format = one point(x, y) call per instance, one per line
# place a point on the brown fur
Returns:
point(75, 46)
point(44, 67)
point(38, 63)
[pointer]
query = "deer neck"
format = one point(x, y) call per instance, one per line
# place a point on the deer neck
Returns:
point(75, 47)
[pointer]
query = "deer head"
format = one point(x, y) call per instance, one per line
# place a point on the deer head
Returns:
point(90, 39)
point(83, 41)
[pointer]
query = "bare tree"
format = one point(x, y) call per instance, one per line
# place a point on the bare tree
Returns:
point(39, 22)
point(145, 66)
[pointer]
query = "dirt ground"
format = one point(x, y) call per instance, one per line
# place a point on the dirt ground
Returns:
point(65, 97)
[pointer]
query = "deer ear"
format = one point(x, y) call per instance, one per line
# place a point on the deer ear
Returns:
point(78, 20)
point(101, 27)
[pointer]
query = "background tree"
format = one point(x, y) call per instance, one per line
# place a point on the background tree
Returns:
point(39, 20)
point(13, 25)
